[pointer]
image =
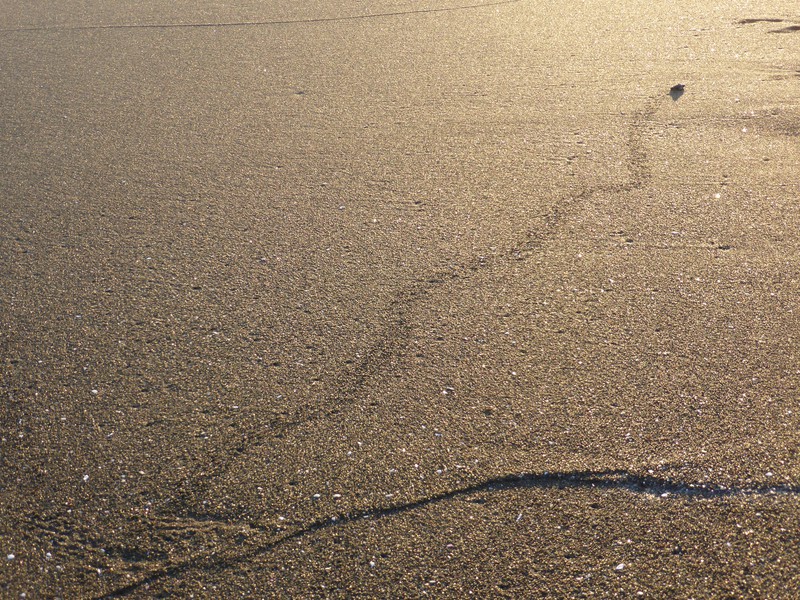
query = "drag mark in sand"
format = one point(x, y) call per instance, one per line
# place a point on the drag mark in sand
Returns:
point(751, 21)
point(591, 480)
point(392, 342)
point(260, 23)
point(787, 29)
point(394, 339)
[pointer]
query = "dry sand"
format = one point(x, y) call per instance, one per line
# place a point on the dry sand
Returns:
point(399, 298)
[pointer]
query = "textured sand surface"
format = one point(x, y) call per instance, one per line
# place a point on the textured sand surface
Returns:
point(399, 298)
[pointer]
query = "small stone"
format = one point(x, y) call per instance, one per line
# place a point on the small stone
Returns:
point(678, 87)
point(619, 567)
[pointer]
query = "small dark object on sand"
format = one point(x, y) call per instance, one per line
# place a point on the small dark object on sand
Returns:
point(678, 87)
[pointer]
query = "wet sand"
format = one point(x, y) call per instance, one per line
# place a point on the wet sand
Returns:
point(397, 299)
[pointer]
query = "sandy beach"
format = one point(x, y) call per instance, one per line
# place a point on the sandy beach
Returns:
point(399, 298)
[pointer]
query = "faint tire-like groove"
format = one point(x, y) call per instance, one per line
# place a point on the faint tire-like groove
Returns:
point(393, 341)
point(592, 480)
point(258, 23)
